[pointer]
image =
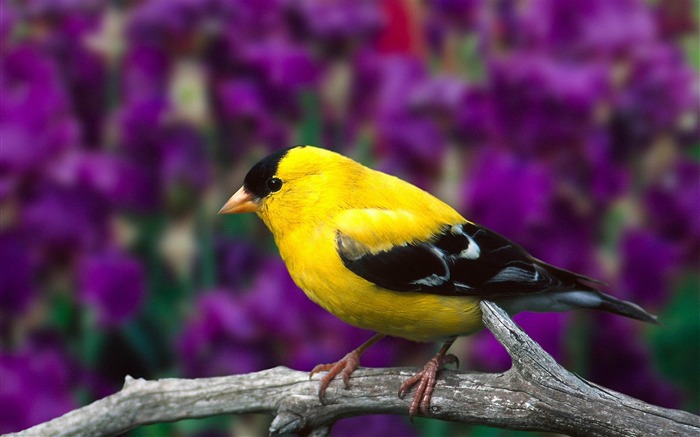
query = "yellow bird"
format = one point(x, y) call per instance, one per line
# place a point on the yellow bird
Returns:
point(384, 255)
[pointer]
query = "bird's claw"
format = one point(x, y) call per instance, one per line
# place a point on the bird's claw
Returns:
point(343, 367)
point(425, 379)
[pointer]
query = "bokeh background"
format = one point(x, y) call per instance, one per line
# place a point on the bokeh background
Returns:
point(570, 126)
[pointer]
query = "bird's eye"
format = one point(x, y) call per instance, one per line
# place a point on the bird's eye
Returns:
point(274, 184)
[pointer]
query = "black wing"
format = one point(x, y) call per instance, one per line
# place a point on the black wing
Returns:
point(463, 259)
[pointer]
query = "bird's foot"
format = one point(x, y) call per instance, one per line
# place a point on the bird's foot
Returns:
point(425, 380)
point(344, 367)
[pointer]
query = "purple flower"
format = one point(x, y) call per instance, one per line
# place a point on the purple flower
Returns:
point(164, 23)
point(8, 19)
point(339, 19)
point(258, 89)
point(439, 96)
point(444, 15)
point(221, 338)
point(658, 96)
point(255, 21)
point(35, 118)
point(115, 179)
point(509, 195)
point(622, 363)
point(410, 142)
point(140, 122)
point(474, 118)
point(577, 28)
point(336, 25)
point(672, 205)
point(36, 386)
point(412, 147)
point(457, 9)
point(17, 286)
point(184, 170)
point(245, 117)
point(525, 202)
point(60, 8)
point(170, 156)
point(185, 26)
point(144, 78)
point(241, 99)
point(285, 69)
point(112, 284)
point(236, 261)
point(544, 105)
point(598, 173)
point(65, 28)
point(61, 29)
point(140, 129)
point(395, 77)
point(85, 74)
point(461, 111)
point(567, 240)
point(648, 263)
point(64, 219)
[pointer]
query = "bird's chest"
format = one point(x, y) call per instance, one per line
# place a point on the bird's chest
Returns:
point(315, 266)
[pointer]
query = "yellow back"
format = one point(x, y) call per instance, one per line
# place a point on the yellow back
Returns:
point(320, 184)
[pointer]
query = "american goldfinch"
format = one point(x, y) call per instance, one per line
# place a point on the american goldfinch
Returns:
point(384, 255)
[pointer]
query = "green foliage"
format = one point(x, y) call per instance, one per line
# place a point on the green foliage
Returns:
point(676, 342)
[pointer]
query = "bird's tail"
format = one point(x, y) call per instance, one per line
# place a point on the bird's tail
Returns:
point(572, 299)
point(585, 295)
point(624, 308)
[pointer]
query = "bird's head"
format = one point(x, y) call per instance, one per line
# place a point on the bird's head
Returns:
point(286, 185)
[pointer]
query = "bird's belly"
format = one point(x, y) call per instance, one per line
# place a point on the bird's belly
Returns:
point(411, 315)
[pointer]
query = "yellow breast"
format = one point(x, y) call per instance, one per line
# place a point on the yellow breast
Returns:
point(317, 269)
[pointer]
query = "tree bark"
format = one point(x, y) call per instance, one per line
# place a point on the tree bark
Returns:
point(535, 394)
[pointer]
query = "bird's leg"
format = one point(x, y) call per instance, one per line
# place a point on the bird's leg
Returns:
point(426, 380)
point(344, 367)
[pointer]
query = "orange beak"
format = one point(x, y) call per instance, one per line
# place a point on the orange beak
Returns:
point(239, 203)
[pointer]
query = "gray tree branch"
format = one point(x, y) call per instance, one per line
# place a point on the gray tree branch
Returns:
point(535, 394)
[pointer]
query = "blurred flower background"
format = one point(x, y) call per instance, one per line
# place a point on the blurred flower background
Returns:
point(570, 126)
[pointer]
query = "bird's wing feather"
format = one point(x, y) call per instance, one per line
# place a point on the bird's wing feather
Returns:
point(385, 247)
point(459, 259)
